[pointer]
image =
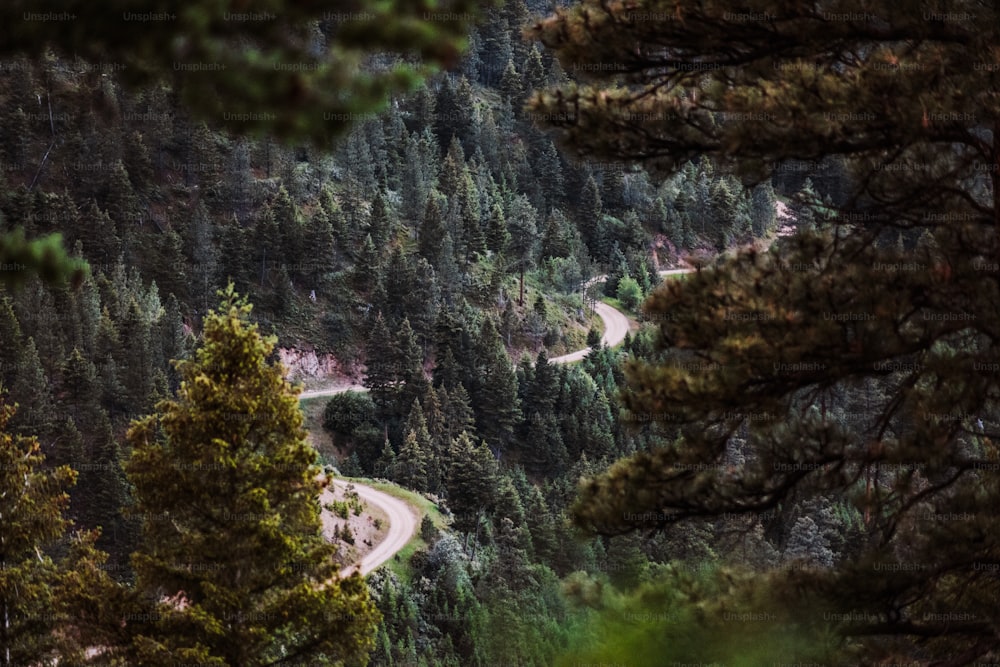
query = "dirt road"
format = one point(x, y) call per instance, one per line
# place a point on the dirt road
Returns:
point(330, 391)
point(402, 526)
point(402, 519)
point(616, 325)
point(615, 328)
point(674, 272)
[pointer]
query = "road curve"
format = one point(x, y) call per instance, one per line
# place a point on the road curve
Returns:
point(616, 325)
point(674, 272)
point(402, 526)
point(615, 328)
point(319, 393)
point(402, 519)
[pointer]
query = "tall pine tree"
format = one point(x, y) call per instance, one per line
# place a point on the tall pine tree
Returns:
point(240, 573)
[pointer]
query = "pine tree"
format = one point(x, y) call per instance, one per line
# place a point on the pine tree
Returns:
point(821, 313)
point(456, 407)
point(512, 87)
point(381, 221)
point(591, 213)
point(410, 368)
point(10, 333)
point(522, 245)
point(385, 465)
point(381, 354)
point(806, 543)
point(425, 455)
point(367, 268)
point(612, 188)
point(322, 244)
point(123, 208)
point(497, 235)
point(762, 209)
point(241, 573)
point(466, 127)
point(447, 115)
point(534, 71)
point(472, 481)
point(495, 394)
point(550, 175)
point(412, 464)
point(432, 230)
point(52, 609)
point(806, 205)
point(36, 411)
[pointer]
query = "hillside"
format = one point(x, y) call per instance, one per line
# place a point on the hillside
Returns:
point(468, 303)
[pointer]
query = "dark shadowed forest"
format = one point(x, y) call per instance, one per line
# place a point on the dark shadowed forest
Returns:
point(420, 211)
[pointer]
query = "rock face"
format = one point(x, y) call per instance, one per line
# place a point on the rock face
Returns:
point(307, 367)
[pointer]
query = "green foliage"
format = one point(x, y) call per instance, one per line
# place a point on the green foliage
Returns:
point(593, 338)
point(242, 497)
point(44, 257)
point(629, 293)
point(347, 411)
point(428, 531)
point(471, 481)
point(52, 607)
point(836, 364)
point(246, 64)
point(712, 616)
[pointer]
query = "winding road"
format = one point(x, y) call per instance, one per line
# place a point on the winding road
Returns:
point(616, 325)
point(402, 526)
point(403, 519)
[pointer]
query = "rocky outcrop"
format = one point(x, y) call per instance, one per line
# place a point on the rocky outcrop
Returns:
point(309, 368)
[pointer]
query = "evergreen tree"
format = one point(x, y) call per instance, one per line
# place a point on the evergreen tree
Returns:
point(52, 609)
point(534, 71)
point(448, 116)
point(36, 412)
point(591, 214)
point(367, 267)
point(10, 333)
point(381, 355)
point(495, 395)
point(512, 87)
point(385, 465)
point(432, 230)
point(417, 179)
point(241, 573)
point(456, 408)
point(763, 209)
point(322, 244)
point(473, 235)
point(821, 315)
point(497, 235)
point(612, 188)
point(550, 175)
point(412, 464)
point(472, 481)
point(522, 245)
point(807, 544)
point(199, 247)
point(410, 368)
point(381, 221)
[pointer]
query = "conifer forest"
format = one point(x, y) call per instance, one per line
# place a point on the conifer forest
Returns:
point(583, 333)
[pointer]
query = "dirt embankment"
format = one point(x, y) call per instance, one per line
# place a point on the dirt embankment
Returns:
point(318, 370)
